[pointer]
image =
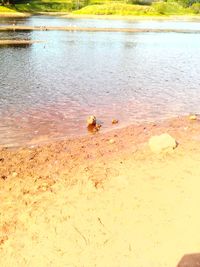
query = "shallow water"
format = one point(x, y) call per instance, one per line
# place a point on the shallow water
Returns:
point(48, 89)
point(101, 23)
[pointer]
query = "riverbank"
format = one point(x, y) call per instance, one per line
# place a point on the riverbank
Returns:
point(113, 9)
point(103, 17)
point(120, 17)
point(19, 42)
point(102, 200)
point(14, 15)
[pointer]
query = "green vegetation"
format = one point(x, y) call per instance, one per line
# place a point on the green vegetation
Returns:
point(4, 9)
point(116, 9)
point(104, 7)
point(42, 6)
point(170, 8)
point(36, 6)
point(196, 8)
point(155, 9)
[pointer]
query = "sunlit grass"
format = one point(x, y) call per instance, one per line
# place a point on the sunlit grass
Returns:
point(4, 9)
point(196, 8)
point(44, 7)
point(104, 7)
point(116, 9)
point(170, 8)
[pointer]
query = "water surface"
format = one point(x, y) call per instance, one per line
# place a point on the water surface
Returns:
point(47, 90)
point(192, 24)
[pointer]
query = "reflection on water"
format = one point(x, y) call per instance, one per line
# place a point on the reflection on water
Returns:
point(107, 23)
point(48, 89)
point(14, 45)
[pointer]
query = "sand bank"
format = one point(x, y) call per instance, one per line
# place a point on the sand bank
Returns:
point(19, 42)
point(14, 15)
point(91, 29)
point(92, 202)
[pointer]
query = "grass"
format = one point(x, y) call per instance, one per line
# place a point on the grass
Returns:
point(4, 9)
point(158, 8)
point(116, 9)
point(35, 6)
point(103, 7)
point(44, 6)
point(170, 8)
point(196, 8)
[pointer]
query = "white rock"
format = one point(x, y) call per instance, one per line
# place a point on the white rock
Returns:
point(91, 120)
point(162, 143)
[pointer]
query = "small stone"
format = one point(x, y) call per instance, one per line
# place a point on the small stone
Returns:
point(193, 117)
point(111, 141)
point(91, 120)
point(93, 128)
point(14, 174)
point(114, 121)
point(162, 143)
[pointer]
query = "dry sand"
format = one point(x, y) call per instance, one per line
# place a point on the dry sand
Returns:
point(88, 202)
point(14, 15)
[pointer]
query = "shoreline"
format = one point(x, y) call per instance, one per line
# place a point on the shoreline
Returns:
point(70, 198)
point(135, 17)
point(109, 17)
point(14, 15)
point(181, 127)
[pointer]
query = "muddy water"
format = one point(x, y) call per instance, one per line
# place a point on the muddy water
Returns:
point(48, 89)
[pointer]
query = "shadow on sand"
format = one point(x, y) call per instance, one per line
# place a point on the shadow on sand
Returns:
point(190, 260)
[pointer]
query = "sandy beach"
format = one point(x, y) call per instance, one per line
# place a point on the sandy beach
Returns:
point(91, 201)
point(14, 15)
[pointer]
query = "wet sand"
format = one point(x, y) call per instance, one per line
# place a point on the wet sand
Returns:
point(19, 42)
point(92, 202)
point(91, 29)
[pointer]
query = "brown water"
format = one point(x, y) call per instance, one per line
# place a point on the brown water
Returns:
point(47, 90)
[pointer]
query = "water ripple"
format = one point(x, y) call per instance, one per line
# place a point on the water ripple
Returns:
point(48, 90)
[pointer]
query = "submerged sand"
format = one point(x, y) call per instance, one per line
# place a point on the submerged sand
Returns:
point(92, 202)
point(92, 29)
point(19, 42)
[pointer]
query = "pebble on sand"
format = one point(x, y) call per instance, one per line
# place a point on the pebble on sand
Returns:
point(14, 174)
point(193, 117)
point(114, 121)
point(93, 128)
point(162, 143)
